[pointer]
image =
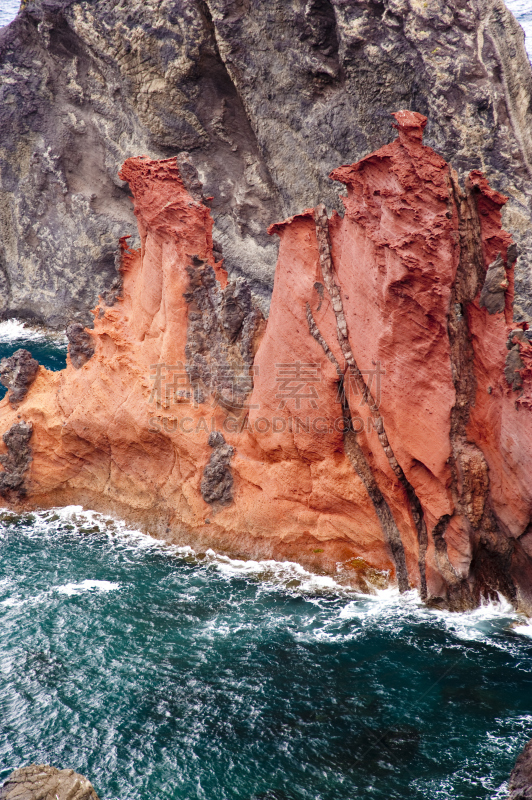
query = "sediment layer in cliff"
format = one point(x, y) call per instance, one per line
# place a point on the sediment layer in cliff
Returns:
point(379, 424)
point(260, 100)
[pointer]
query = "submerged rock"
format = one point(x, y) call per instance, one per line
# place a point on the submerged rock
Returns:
point(260, 101)
point(373, 420)
point(42, 782)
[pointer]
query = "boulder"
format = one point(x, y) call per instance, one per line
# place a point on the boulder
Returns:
point(42, 782)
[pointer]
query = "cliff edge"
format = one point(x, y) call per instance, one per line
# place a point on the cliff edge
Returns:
point(378, 425)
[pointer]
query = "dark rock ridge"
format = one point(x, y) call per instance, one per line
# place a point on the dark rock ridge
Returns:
point(16, 461)
point(17, 373)
point(494, 289)
point(217, 481)
point(222, 328)
point(80, 346)
point(520, 787)
point(42, 782)
point(259, 101)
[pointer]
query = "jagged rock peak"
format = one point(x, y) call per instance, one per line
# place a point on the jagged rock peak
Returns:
point(382, 389)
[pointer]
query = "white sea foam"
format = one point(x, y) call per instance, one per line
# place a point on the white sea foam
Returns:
point(287, 574)
point(386, 607)
point(11, 602)
point(8, 11)
point(391, 610)
point(524, 628)
point(71, 589)
point(13, 330)
point(284, 574)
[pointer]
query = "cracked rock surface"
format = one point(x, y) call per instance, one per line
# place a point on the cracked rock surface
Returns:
point(336, 433)
point(259, 101)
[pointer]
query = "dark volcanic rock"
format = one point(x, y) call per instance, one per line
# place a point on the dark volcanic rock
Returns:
point(221, 331)
point(217, 481)
point(514, 363)
point(520, 787)
point(259, 100)
point(80, 344)
point(17, 460)
point(495, 285)
point(42, 782)
point(17, 373)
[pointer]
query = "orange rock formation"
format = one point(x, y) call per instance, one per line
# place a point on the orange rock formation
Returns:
point(380, 422)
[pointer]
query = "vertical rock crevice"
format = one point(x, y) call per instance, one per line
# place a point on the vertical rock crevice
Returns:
point(326, 264)
point(361, 466)
point(491, 550)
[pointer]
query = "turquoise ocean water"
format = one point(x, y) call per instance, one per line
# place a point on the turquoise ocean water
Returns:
point(48, 348)
point(161, 673)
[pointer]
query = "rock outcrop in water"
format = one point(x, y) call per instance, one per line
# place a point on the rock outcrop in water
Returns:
point(381, 420)
point(520, 786)
point(42, 782)
point(260, 101)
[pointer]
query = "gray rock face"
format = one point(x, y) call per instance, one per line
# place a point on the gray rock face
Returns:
point(222, 327)
point(16, 462)
point(80, 345)
point(492, 295)
point(520, 787)
point(217, 480)
point(514, 362)
point(17, 373)
point(42, 782)
point(265, 98)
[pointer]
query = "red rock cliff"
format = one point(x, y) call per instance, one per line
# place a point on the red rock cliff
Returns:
point(380, 422)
